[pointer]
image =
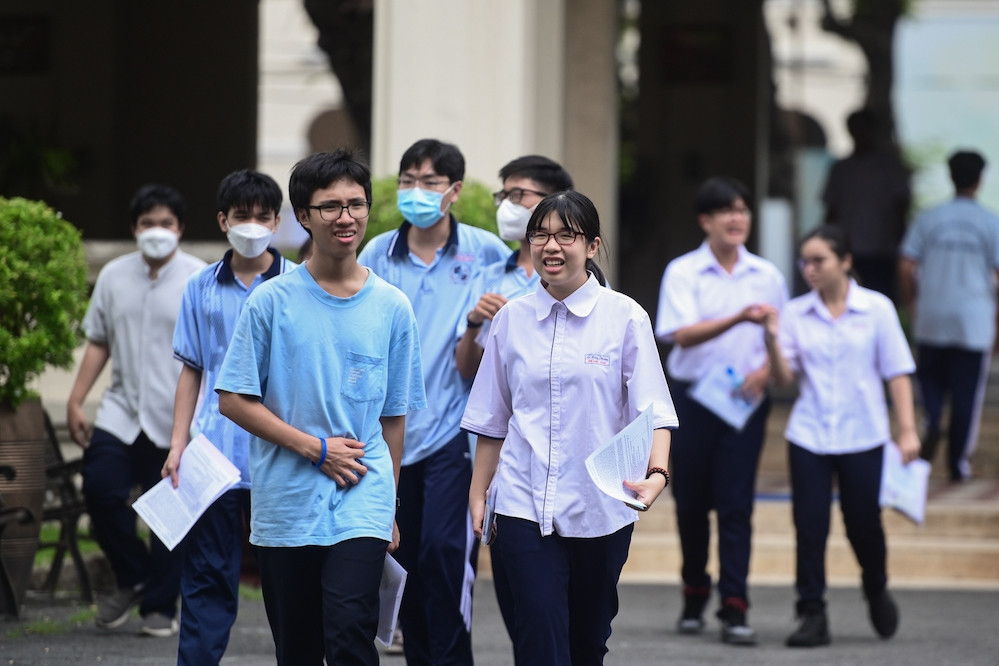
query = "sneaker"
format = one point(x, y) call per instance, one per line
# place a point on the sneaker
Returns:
point(734, 630)
point(159, 625)
point(112, 611)
point(883, 613)
point(814, 628)
point(694, 600)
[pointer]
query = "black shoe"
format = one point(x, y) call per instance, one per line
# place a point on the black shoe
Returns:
point(930, 441)
point(734, 630)
point(691, 621)
point(814, 628)
point(883, 613)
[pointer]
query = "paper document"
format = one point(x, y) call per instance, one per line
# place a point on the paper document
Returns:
point(204, 475)
point(719, 391)
point(624, 458)
point(903, 487)
point(389, 598)
point(489, 517)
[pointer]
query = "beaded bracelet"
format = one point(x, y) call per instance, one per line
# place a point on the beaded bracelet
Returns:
point(658, 470)
point(322, 457)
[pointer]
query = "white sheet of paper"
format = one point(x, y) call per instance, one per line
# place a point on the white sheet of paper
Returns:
point(204, 475)
point(624, 457)
point(714, 391)
point(903, 487)
point(489, 516)
point(389, 598)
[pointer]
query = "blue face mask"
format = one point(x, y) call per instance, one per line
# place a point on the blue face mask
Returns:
point(422, 208)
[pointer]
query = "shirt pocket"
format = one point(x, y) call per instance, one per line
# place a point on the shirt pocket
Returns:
point(363, 378)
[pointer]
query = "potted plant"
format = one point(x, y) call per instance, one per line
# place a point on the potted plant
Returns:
point(43, 297)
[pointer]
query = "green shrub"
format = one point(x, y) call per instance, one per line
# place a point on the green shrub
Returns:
point(43, 294)
point(474, 208)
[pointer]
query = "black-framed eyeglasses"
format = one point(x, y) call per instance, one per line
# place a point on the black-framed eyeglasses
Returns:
point(515, 195)
point(331, 211)
point(428, 182)
point(733, 210)
point(564, 237)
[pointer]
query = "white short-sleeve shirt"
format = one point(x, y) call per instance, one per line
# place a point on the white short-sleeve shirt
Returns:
point(696, 288)
point(558, 379)
point(842, 364)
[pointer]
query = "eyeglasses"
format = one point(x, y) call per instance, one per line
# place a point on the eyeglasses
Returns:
point(515, 195)
point(733, 210)
point(426, 182)
point(564, 237)
point(815, 262)
point(331, 211)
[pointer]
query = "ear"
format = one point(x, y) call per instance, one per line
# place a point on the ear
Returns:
point(221, 217)
point(592, 247)
point(847, 263)
point(456, 191)
point(704, 221)
point(180, 230)
point(277, 221)
point(303, 217)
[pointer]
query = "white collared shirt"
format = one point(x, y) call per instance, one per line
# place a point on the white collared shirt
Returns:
point(135, 317)
point(696, 288)
point(557, 380)
point(842, 364)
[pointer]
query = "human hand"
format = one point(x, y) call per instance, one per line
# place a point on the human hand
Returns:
point(755, 383)
point(396, 538)
point(486, 308)
point(908, 445)
point(757, 313)
point(477, 507)
point(647, 491)
point(171, 467)
point(342, 462)
point(79, 426)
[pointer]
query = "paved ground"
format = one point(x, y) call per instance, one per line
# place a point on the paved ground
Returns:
point(938, 627)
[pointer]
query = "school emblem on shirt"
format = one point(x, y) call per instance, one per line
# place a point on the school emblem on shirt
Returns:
point(597, 359)
point(461, 272)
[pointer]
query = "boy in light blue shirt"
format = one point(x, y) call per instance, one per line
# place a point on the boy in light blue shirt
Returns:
point(248, 205)
point(322, 369)
point(433, 259)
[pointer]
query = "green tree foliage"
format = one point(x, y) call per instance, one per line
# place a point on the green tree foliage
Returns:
point(43, 294)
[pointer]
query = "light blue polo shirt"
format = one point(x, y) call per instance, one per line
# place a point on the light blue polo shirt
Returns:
point(209, 308)
point(439, 294)
point(331, 367)
point(505, 278)
point(956, 246)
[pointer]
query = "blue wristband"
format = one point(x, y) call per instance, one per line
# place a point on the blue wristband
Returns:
point(322, 456)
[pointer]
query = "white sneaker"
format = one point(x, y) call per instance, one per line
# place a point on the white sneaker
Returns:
point(159, 625)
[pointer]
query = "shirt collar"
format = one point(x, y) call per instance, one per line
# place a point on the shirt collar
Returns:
point(706, 259)
point(580, 302)
point(399, 247)
point(223, 272)
point(511, 262)
point(856, 299)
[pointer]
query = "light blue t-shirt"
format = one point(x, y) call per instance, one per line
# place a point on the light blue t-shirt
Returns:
point(439, 293)
point(956, 246)
point(505, 278)
point(329, 366)
point(209, 308)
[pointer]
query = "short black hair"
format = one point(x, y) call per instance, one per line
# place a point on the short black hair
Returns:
point(966, 168)
point(247, 188)
point(541, 170)
point(321, 170)
point(152, 195)
point(718, 193)
point(445, 158)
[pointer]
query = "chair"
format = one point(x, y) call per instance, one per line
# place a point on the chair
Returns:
point(63, 503)
point(10, 515)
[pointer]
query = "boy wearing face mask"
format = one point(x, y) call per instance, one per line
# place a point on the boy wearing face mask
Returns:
point(434, 259)
point(248, 205)
point(130, 322)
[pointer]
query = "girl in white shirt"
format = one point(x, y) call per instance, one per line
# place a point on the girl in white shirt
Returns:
point(844, 341)
point(564, 369)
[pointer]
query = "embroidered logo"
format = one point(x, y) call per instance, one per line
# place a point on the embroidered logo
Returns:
point(597, 359)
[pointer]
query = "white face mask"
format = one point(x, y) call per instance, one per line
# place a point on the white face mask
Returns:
point(512, 220)
point(249, 239)
point(157, 243)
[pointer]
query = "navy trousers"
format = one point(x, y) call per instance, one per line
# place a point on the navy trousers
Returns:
point(111, 469)
point(959, 374)
point(436, 549)
point(859, 478)
point(323, 601)
point(209, 579)
point(715, 468)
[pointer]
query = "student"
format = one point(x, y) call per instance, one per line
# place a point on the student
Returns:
point(322, 369)
point(248, 205)
point(433, 259)
point(949, 272)
point(844, 341)
point(564, 370)
point(711, 304)
point(130, 321)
